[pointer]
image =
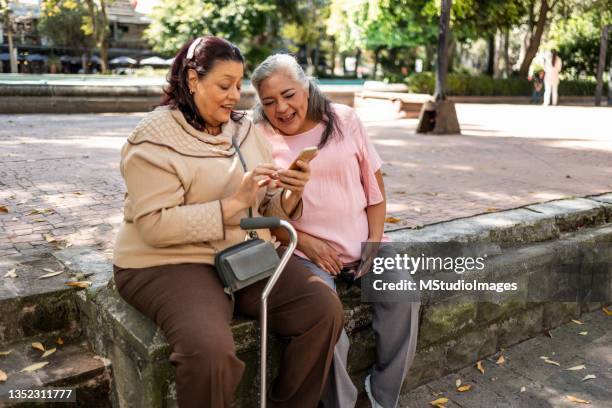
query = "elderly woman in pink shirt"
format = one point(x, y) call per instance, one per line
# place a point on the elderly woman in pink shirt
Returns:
point(344, 205)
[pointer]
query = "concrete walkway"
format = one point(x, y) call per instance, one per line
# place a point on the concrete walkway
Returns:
point(545, 371)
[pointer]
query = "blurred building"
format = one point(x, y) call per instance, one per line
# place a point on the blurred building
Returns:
point(126, 38)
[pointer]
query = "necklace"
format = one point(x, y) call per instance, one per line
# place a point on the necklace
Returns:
point(212, 130)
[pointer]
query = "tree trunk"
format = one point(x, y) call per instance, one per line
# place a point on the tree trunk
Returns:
point(507, 67)
point(99, 20)
point(333, 56)
point(535, 38)
point(602, 62)
point(12, 50)
point(442, 63)
point(491, 55)
point(376, 61)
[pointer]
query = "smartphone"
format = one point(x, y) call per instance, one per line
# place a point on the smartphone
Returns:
point(305, 155)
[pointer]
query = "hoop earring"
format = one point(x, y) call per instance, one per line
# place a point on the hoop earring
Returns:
point(191, 92)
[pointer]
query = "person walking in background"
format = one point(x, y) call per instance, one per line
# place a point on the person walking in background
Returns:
point(552, 68)
point(537, 81)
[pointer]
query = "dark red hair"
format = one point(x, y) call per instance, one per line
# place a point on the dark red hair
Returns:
point(208, 51)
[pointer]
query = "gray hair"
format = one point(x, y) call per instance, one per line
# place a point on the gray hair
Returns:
point(319, 106)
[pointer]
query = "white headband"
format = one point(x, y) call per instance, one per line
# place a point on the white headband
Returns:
point(192, 47)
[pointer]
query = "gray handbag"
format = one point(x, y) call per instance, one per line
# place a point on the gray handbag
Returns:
point(243, 264)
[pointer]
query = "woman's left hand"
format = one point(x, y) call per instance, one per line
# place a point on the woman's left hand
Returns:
point(294, 180)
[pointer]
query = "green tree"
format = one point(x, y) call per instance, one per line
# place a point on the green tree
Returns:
point(252, 25)
point(576, 35)
point(61, 21)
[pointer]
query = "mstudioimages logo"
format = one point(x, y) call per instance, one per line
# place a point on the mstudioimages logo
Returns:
point(440, 285)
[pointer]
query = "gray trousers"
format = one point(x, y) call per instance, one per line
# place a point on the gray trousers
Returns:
point(395, 325)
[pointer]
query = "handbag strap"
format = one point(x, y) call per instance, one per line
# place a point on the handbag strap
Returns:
point(252, 234)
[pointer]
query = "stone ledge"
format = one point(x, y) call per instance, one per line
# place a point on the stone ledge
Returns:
point(451, 337)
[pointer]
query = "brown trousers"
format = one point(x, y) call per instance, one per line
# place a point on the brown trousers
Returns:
point(188, 303)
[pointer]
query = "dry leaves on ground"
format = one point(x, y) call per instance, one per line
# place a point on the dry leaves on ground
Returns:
point(3, 376)
point(10, 274)
point(458, 383)
point(5, 353)
point(552, 362)
point(49, 238)
point(392, 220)
point(523, 389)
point(577, 400)
point(607, 311)
point(59, 341)
point(501, 360)
point(480, 367)
point(50, 274)
point(38, 346)
point(79, 284)
point(48, 352)
point(584, 333)
point(589, 377)
point(577, 321)
point(3, 209)
point(41, 211)
point(464, 388)
point(439, 403)
point(34, 367)
point(577, 368)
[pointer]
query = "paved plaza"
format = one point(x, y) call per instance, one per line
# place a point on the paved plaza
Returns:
point(60, 182)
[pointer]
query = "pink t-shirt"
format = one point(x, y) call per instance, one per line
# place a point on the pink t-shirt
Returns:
point(342, 182)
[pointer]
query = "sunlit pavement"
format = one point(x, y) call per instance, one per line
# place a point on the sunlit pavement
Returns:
point(60, 181)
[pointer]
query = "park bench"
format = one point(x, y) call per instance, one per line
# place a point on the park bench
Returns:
point(407, 104)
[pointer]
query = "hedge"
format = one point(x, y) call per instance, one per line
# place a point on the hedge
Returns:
point(482, 85)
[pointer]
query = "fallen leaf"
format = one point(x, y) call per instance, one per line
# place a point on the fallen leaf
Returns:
point(432, 194)
point(577, 368)
point(39, 211)
point(68, 245)
point(10, 274)
point(3, 209)
point(59, 341)
point(501, 359)
point(5, 353)
point(552, 362)
point(458, 382)
point(48, 352)
point(493, 379)
point(439, 402)
point(523, 389)
point(589, 377)
point(584, 333)
point(492, 209)
point(77, 193)
point(49, 238)
point(464, 388)
point(480, 367)
point(3, 376)
point(79, 284)
point(38, 345)
point(577, 400)
point(34, 367)
point(577, 321)
point(50, 274)
point(392, 220)
point(39, 220)
point(606, 311)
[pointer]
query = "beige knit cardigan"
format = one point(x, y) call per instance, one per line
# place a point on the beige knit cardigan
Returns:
point(176, 177)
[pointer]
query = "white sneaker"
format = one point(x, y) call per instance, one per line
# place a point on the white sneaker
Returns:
point(368, 390)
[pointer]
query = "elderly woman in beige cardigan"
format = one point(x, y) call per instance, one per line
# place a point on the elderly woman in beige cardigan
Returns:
point(186, 193)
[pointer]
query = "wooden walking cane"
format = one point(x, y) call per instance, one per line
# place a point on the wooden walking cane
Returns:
point(269, 223)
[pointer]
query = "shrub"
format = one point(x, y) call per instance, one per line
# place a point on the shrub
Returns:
point(482, 85)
